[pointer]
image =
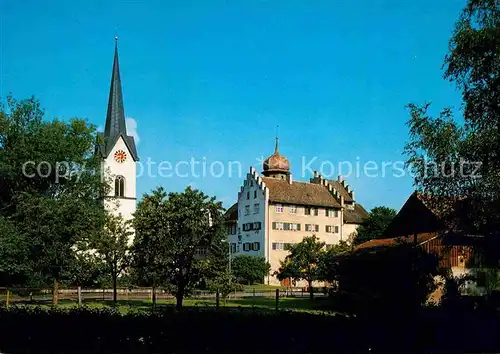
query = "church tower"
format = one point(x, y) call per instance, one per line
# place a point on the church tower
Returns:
point(118, 152)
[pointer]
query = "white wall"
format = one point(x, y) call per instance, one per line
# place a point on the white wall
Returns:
point(251, 193)
point(125, 206)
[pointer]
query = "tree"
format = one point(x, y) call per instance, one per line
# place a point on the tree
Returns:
point(170, 231)
point(374, 225)
point(303, 261)
point(50, 188)
point(328, 266)
point(194, 221)
point(457, 164)
point(150, 254)
point(250, 268)
point(112, 247)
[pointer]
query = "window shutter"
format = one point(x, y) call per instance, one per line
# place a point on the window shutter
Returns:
point(336, 229)
point(274, 225)
point(256, 246)
point(317, 228)
point(326, 228)
point(274, 245)
point(286, 226)
point(316, 211)
point(298, 227)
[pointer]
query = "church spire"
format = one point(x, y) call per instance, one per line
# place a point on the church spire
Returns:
point(115, 118)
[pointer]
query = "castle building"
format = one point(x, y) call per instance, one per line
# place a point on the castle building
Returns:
point(274, 212)
point(118, 152)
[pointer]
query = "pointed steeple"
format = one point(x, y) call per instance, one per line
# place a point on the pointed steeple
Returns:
point(115, 118)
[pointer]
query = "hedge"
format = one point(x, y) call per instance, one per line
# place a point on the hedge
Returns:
point(85, 330)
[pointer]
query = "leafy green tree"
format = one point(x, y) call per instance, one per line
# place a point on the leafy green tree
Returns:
point(150, 254)
point(374, 225)
point(224, 283)
point(50, 189)
point(456, 163)
point(15, 265)
point(303, 262)
point(194, 221)
point(328, 266)
point(250, 268)
point(112, 247)
point(170, 231)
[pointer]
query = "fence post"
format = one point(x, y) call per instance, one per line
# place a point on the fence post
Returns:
point(103, 296)
point(79, 296)
point(7, 299)
point(217, 299)
point(277, 299)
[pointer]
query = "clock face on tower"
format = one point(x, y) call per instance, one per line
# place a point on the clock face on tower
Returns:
point(120, 156)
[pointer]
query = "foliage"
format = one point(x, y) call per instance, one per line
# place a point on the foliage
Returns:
point(374, 225)
point(456, 163)
point(112, 247)
point(303, 262)
point(223, 283)
point(49, 192)
point(395, 279)
point(251, 269)
point(170, 231)
point(328, 266)
point(31, 330)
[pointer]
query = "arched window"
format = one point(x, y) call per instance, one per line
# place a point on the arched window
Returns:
point(119, 186)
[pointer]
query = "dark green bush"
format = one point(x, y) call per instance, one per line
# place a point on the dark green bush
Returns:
point(35, 330)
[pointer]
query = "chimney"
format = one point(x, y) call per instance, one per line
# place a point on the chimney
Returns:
point(341, 200)
point(290, 179)
point(315, 173)
point(339, 179)
point(347, 188)
point(352, 195)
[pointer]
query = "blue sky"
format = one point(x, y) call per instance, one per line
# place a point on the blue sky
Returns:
point(211, 80)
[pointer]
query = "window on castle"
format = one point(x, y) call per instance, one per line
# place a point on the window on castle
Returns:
point(119, 186)
point(254, 194)
point(256, 208)
point(248, 195)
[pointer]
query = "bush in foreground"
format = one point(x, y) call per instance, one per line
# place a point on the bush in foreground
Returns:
point(86, 330)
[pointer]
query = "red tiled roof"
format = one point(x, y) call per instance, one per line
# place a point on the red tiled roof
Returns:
point(388, 242)
point(300, 193)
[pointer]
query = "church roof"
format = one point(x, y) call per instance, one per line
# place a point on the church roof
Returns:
point(300, 193)
point(115, 117)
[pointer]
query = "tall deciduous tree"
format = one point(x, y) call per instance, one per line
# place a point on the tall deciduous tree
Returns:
point(374, 225)
point(194, 221)
point(170, 229)
point(458, 164)
point(112, 247)
point(303, 262)
point(250, 268)
point(150, 256)
point(50, 186)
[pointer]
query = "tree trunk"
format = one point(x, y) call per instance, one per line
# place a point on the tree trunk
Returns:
point(55, 293)
point(115, 292)
point(311, 290)
point(153, 297)
point(179, 296)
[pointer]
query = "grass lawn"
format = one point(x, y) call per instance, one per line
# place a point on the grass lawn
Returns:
point(257, 303)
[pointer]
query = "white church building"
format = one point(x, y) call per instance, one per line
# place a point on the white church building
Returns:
point(118, 152)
